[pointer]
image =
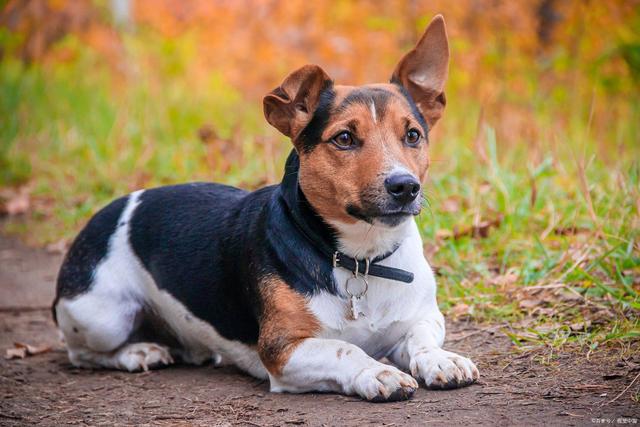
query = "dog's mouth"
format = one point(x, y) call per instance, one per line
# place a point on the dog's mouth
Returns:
point(384, 215)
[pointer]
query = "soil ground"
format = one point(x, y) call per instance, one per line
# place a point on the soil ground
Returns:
point(515, 389)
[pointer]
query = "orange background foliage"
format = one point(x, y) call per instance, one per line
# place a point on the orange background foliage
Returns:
point(505, 54)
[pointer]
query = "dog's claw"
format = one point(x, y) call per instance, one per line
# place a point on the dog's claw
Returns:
point(403, 393)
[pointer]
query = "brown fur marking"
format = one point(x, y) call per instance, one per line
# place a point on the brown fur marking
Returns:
point(286, 321)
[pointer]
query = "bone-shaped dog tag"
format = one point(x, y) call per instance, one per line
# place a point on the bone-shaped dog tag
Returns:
point(355, 297)
point(354, 308)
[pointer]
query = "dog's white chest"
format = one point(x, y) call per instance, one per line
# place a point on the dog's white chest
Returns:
point(386, 310)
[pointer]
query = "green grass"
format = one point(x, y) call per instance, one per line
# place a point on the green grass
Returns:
point(560, 262)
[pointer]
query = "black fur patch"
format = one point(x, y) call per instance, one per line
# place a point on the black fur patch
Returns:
point(311, 135)
point(303, 265)
point(194, 240)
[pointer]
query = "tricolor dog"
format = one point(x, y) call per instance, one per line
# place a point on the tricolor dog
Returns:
point(309, 283)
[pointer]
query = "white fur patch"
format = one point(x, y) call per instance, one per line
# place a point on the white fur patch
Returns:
point(400, 321)
point(372, 107)
point(389, 307)
point(364, 240)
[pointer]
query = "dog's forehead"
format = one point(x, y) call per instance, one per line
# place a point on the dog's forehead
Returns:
point(375, 97)
point(372, 106)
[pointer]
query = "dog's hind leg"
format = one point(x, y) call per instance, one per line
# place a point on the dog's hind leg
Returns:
point(97, 329)
point(101, 298)
point(129, 357)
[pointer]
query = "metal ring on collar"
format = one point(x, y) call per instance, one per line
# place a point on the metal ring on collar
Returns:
point(356, 270)
point(366, 287)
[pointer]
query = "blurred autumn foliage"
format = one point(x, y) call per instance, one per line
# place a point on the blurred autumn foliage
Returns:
point(509, 58)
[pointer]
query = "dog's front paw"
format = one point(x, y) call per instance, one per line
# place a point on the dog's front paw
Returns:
point(443, 370)
point(384, 383)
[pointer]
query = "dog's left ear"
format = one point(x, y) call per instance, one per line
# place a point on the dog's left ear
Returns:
point(423, 71)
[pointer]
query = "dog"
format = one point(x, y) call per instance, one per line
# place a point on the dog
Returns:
point(309, 283)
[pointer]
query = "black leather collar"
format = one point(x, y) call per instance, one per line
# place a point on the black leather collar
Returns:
point(323, 237)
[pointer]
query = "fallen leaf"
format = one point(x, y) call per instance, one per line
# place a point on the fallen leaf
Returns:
point(461, 310)
point(504, 280)
point(569, 231)
point(444, 234)
point(15, 353)
point(22, 350)
point(451, 205)
point(580, 326)
point(32, 350)
point(16, 201)
point(480, 228)
point(530, 303)
point(430, 249)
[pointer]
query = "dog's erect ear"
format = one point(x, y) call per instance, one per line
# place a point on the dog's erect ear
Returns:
point(423, 71)
point(290, 106)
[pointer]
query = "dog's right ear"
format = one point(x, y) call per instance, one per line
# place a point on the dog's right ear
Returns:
point(423, 71)
point(290, 106)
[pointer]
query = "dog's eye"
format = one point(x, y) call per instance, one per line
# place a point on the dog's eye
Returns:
point(343, 140)
point(412, 138)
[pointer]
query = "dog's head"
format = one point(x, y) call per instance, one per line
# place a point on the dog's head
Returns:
point(363, 149)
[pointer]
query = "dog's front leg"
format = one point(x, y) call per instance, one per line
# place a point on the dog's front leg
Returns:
point(298, 361)
point(332, 365)
point(421, 352)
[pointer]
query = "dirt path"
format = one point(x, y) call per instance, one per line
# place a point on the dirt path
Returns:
point(514, 390)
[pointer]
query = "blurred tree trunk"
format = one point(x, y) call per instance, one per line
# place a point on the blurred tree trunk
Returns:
point(547, 19)
point(121, 11)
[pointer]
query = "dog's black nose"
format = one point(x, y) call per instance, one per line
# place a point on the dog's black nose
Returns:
point(403, 187)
